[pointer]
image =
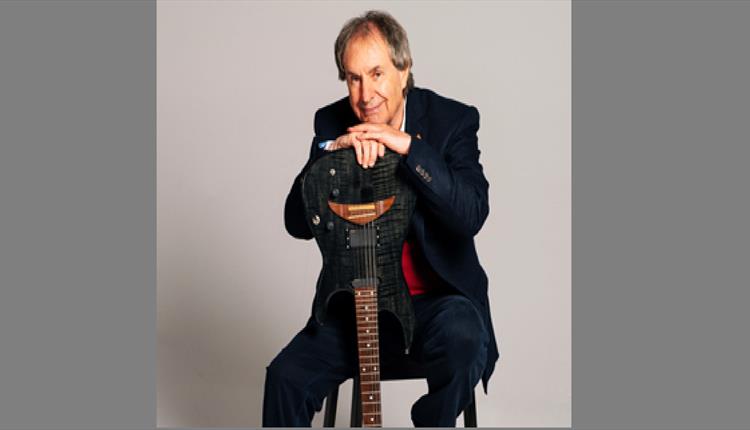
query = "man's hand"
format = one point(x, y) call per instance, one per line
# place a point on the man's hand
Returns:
point(367, 150)
point(395, 140)
point(370, 140)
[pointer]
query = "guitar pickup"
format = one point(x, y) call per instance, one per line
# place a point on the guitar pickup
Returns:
point(362, 237)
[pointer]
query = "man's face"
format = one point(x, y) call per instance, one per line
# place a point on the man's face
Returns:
point(375, 85)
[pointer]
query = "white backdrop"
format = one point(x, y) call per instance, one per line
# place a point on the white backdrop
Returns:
point(238, 84)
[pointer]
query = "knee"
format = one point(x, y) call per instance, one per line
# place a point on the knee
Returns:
point(465, 340)
point(465, 350)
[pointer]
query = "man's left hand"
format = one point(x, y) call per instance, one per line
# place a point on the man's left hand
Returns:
point(396, 140)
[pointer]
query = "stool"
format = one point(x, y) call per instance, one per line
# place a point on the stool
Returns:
point(408, 370)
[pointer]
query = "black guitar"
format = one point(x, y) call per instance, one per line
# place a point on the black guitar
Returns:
point(360, 219)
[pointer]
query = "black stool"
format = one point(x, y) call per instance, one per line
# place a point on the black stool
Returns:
point(408, 370)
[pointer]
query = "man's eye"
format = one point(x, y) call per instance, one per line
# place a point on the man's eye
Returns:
point(378, 74)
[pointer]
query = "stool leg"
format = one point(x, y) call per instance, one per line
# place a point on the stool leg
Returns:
point(329, 417)
point(356, 418)
point(470, 412)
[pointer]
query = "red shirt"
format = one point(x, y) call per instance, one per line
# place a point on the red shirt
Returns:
point(418, 274)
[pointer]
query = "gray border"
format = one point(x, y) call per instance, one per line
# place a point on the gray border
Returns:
point(78, 193)
point(660, 208)
point(661, 125)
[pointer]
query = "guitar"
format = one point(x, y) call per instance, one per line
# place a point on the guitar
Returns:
point(360, 219)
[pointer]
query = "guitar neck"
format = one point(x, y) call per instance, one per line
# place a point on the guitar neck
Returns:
point(366, 306)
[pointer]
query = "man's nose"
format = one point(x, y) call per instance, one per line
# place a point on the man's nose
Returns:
point(366, 90)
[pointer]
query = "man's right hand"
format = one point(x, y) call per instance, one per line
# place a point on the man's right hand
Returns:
point(367, 150)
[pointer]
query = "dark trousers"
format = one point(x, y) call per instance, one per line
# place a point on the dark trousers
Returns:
point(450, 341)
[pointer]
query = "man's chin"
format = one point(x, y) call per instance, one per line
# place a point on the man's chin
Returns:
point(375, 119)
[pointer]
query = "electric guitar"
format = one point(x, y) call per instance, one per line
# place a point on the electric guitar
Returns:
point(360, 219)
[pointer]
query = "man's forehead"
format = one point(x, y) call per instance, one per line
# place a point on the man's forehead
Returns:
point(366, 47)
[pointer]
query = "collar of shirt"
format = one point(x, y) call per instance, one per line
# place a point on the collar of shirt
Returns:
point(403, 121)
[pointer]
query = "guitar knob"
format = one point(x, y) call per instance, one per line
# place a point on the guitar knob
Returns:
point(329, 225)
point(332, 172)
point(316, 219)
point(335, 192)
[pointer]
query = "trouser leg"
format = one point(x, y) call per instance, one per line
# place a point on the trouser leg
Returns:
point(298, 379)
point(452, 342)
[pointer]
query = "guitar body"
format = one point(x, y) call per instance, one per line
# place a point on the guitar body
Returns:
point(360, 219)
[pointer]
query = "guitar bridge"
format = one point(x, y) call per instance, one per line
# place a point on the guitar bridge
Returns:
point(362, 213)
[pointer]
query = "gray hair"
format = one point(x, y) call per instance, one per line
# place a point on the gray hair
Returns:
point(394, 35)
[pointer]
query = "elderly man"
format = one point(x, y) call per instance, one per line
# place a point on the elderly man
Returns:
point(452, 331)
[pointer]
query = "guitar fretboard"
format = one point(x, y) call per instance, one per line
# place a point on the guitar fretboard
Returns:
point(366, 305)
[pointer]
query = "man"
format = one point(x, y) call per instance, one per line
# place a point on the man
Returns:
point(453, 339)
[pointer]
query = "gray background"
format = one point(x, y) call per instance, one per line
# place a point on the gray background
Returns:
point(77, 215)
point(661, 240)
point(658, 341)
point(238, 84)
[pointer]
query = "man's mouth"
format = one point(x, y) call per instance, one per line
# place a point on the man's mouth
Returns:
point(371, 110)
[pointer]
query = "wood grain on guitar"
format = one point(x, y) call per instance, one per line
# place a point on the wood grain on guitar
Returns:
point(362, 213)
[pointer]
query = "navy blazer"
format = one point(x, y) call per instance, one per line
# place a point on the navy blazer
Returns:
point(452, 199)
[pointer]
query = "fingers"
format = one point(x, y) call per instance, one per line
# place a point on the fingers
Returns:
point(357, 149)
point(367, 159)
point(375, 151)
point(363, 127)
point(367, 150)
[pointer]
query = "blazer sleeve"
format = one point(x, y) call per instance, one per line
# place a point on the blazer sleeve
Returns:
point(452, 184)
point(294, 208)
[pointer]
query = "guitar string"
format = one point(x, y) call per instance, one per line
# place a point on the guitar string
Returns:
point(373, 250)
point(368, 264)
point(370, 275)
point(373, 231)
point(375, 278)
